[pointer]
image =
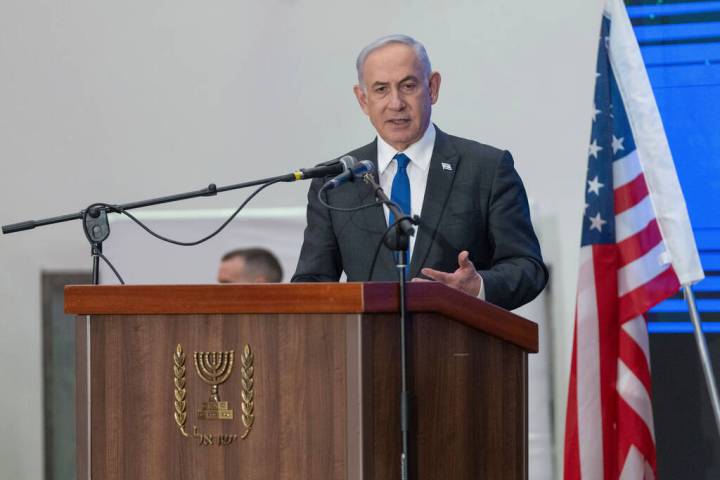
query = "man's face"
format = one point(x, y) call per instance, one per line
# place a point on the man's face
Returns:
point(395, 94)
point(234, 270)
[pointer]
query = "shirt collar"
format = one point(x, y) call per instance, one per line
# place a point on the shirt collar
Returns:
point(419, 152)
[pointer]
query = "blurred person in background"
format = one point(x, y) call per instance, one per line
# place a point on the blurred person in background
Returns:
point(250, 265)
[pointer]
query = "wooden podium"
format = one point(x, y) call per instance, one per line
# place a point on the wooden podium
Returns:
point(296, 381)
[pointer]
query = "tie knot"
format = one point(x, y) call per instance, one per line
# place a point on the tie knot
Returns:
point(402, 160)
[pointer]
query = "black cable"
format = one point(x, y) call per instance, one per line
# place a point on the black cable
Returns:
point(412, 220)
point(206, 238)
point(353, 209)
point(97, 252)
point(117, 209)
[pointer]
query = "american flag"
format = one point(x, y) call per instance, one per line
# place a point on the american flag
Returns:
point(637, 249)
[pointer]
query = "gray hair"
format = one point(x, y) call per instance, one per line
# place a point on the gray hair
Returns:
point(417, 47)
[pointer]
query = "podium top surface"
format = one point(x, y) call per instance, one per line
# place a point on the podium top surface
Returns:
point(381, 297)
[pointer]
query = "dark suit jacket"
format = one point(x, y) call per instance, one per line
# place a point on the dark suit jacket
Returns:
point(478, 204)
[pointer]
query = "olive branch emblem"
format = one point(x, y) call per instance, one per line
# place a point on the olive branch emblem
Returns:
point(180, 390)
point(248, 394)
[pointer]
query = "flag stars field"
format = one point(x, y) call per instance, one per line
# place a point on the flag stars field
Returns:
point(594, 186)
point(617, 144)
point(597, 222)
point(594, 149)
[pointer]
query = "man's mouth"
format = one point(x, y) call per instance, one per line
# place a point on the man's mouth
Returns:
point(400, 122)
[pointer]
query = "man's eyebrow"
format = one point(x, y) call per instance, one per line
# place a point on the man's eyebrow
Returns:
point(409, 78)
point(412, 78)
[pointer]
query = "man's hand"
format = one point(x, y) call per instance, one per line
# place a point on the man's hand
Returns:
point(465, 278)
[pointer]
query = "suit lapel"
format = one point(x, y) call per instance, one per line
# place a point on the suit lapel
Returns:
point(441, 174)
point(374, 218)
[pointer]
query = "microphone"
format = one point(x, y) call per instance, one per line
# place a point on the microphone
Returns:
point(333, 167)
point(356, 171)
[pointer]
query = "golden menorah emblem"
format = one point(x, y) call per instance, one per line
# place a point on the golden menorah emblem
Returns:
point(214, 368)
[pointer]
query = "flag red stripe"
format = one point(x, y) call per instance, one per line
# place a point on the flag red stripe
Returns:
point(572, 447)
point(639, 244)
point(646, 296)
point(606, 287)
point(634, 358)
point(630, 194)
point(632, 430)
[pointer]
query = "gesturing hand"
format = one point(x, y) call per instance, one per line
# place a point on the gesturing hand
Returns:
point(465, 278)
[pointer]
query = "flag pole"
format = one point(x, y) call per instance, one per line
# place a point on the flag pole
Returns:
point(703, 351)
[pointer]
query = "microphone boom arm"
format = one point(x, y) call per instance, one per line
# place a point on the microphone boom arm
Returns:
point(209, 191)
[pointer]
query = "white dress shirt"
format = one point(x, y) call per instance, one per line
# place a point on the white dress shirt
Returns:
point(419, 154)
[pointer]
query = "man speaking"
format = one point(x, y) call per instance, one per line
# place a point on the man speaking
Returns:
point(475, 232)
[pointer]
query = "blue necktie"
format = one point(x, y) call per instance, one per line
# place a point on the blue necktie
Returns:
point(401, 194)
point(401, 186)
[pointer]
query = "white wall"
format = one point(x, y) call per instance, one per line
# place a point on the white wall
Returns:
point(118, 101)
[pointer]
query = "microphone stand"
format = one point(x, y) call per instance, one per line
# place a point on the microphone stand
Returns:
point(95, 222)
point(399, 242)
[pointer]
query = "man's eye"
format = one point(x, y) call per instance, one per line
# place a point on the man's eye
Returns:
point(380, 89)
point(409, 87)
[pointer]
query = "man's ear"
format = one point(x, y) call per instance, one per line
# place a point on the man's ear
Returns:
point(361, 98)
point(434, 87)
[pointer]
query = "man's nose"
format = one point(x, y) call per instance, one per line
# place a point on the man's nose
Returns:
point(396, 100)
